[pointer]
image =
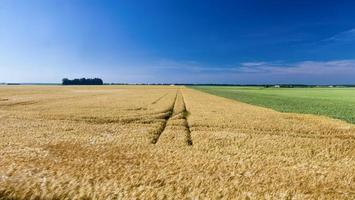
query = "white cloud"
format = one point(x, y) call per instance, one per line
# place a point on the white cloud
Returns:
point(334, 67)
point(261, 72)
point(346, 36)
point(337, 67)
point(251, 64)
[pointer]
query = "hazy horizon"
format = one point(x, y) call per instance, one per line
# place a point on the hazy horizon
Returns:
point(211, 42)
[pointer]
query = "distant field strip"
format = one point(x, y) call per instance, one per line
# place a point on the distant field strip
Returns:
point(337, 103)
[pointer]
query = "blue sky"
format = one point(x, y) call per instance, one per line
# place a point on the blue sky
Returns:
point(185, 41)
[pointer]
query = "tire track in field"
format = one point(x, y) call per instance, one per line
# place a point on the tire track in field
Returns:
point(187, 126)
point(152, 103)
point(149, 117)
point(161, 97)
point(20, 103)
point(162, 128)
point(149, 104)
point(175, 129)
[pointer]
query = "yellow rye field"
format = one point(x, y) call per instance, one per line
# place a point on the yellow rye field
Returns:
point(151, 142)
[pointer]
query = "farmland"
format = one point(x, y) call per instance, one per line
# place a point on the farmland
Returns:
point(337, 103)
point(156, 142)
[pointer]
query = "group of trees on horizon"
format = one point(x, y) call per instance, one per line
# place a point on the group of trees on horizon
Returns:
point(83, 81)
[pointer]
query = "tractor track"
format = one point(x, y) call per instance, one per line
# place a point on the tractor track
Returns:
point(164, 124)
point(158, 99)
point(181, 116)
point(187, 126)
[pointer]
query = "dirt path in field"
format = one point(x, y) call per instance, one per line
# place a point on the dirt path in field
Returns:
point(175, 128)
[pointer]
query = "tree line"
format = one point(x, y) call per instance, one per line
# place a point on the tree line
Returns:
point(83, 81)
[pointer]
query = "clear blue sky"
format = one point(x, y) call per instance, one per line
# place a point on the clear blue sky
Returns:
point(186, 41)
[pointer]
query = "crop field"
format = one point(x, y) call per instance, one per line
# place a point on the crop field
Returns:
point(337, 103)
point(166, 142)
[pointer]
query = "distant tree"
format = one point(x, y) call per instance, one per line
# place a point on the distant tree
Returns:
point(97, 81)
point(82, 81)
point(65, 81)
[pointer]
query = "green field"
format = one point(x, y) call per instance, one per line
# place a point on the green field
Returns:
point(332, 102)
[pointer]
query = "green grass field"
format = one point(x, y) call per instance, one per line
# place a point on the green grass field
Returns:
point(332, 102)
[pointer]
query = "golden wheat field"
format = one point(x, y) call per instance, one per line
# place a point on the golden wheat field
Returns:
point(165, 142)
